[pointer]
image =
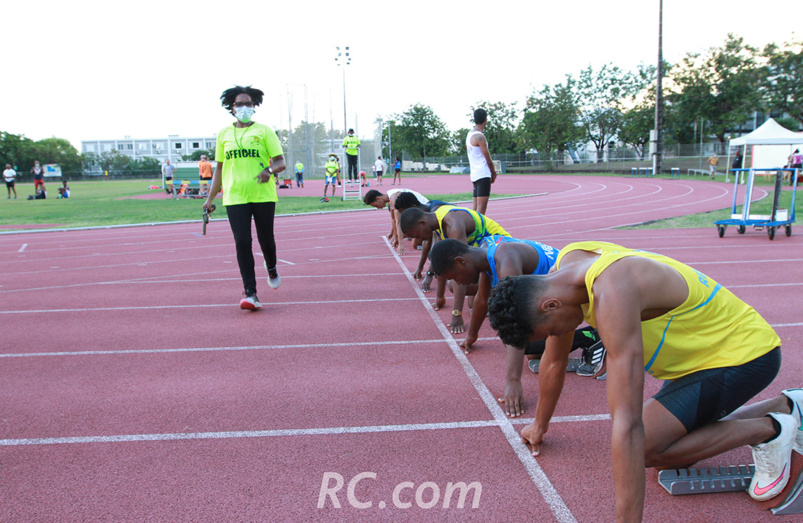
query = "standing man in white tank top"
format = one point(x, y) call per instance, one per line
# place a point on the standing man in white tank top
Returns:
point(483, 173)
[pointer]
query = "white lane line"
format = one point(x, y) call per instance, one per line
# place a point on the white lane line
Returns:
point(324, 431)
point(534, 470)
point(198, 306)
point(218, 349)
point(23, 247)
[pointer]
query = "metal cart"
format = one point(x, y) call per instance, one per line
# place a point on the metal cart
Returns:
point(775, 220)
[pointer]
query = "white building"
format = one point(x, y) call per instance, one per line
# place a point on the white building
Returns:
point(170, 148)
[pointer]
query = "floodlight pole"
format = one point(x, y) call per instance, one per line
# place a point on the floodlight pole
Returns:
point(343, 59)
point(659, 96)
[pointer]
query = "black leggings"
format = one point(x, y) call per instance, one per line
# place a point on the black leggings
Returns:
point(352, 165)
point(240, 222)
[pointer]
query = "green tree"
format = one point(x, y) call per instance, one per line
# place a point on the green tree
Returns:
point(457, 142)
point(636, 126)
point(21, 151)
point(420, 133)
point(196, 155)
point(719, 87)
point(782, 79)
point(501, 131)
point(550, 120)
point(601, 94)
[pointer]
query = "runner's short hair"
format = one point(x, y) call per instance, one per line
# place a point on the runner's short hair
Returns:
point(480, 115)
point(406, 200)
point(443, 253)
point(371, 196)
point(510, 307)
point(409, 218)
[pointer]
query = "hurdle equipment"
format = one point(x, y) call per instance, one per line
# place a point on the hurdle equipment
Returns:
point(735, 479)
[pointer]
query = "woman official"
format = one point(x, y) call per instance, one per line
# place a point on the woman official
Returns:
point(248, 156)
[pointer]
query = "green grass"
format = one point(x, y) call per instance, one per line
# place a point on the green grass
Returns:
point(707, 219)
point(99, 203)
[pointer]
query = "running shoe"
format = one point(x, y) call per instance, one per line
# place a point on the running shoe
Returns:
point(593, 360)
point(796, 395)
point(274, 280)
point(250, 303)
point(773, 460)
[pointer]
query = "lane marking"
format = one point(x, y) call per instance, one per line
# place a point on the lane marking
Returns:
point(200, 306)
point(534, 470)
point(23, 247)
point(323, 431)
point(219, 349)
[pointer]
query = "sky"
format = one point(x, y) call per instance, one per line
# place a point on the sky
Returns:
point(90, 70)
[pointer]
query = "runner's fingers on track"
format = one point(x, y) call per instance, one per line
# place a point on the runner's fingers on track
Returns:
point(456, 326)
point(513, 400)
point(531, 437)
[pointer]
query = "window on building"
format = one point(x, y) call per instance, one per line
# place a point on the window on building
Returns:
point(196, 145)
point(178, 146)
point(142, 147)
point(210, 145)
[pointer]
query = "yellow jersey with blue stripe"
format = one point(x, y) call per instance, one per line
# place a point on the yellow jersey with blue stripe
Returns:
point(711, 329)
point(485, 229)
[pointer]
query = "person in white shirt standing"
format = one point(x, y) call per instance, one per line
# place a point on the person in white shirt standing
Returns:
point(379, 169)
point(10, 175)
point(483, 173)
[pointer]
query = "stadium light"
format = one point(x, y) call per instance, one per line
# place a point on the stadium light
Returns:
point(343, 58)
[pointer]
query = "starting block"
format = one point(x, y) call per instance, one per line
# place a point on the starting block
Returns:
point(705, 481)
point(735, 479)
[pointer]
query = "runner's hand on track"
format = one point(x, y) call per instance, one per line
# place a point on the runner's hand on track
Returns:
point(425, 285)
point(514, 399)
point(533, 437)
point(456, 325)
point(470, 340)
point(438, 303)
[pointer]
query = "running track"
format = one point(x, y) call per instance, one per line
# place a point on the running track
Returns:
point(132, 387)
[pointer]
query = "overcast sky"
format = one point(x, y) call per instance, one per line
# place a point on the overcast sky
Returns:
point(86, 70)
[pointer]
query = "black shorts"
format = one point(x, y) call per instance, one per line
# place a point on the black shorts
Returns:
point(10, 184)
point(482, 188)
point(706, 396)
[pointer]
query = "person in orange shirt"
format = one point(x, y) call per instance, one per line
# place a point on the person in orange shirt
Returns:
point(205, 172)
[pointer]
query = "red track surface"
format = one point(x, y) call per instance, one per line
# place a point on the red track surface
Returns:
point(132, 387)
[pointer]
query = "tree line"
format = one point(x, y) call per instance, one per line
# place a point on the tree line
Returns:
point(706, 94)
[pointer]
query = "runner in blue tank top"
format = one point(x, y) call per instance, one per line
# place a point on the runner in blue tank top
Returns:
point(454, 260)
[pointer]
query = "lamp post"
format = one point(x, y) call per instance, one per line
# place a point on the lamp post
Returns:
point(659, 97)
point(343, 58)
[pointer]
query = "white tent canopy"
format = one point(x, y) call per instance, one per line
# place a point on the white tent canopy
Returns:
point(770, 133)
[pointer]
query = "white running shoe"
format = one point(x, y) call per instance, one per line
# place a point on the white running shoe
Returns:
point(796, 395)
point(273, 282)
point(250, 303)
point(773, 460)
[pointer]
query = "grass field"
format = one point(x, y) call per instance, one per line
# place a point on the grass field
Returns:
point(99, 203)
point(102, 203)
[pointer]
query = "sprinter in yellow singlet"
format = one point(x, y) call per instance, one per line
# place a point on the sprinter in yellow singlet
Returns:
point(661, 316)
point(457, 223)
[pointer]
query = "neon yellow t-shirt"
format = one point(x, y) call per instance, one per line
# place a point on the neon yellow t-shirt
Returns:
point(351, 142)
point(245, 152)
point(331, 168)
point(711, 329)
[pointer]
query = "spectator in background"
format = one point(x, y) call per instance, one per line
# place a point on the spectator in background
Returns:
point(483, 172)
point(38, 175)
point(167, 172)
point(64, 190)
point(396, 170)
point(10, 175)
point(713, 161)
point(795, 162)
point(379, 169)
point(205, 173)
point(352, 146)
point(737, 160)
point(299, 174)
